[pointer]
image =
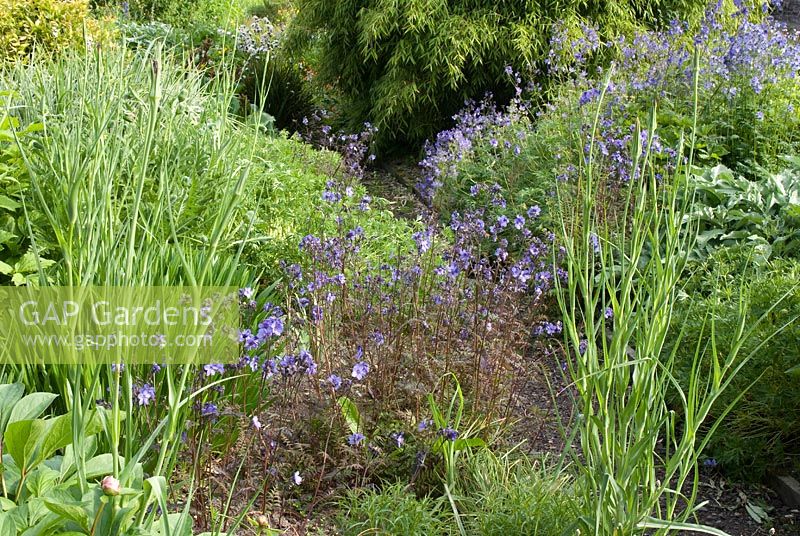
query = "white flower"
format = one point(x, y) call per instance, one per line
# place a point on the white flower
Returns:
point(297, 478)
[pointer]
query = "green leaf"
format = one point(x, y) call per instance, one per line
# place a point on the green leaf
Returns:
point(155, 489)
point(350, 413)
point(27, 264)
point(17, 440)
point(461, 444)
point(31, 406)
point(101, 465)
point(58, 434)
point(75, 511)
point(758, 514)
point(10, 394)
point(41, 481)
point(122, 517)
point(7, 525)
point(8, 203)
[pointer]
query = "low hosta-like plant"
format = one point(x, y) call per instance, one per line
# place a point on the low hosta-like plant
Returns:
point(762, 212)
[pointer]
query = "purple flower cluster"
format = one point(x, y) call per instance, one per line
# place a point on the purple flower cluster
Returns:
point(476, 124)
point(353, 148)
point(441, 303)
point(740, 61)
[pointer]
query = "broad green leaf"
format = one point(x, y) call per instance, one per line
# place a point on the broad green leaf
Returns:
point(41, 480)
point(8, 203)
point(350, 413)
point(31, 406)
point(6, 504)
point(7, 237)
point(10, 394)
point(28, 263)
point(58, 434)
point(101, 465)
point(16, 440)
point(74, 511)
point(7, 526)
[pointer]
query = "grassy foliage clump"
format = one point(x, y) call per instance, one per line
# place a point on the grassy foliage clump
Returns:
point(763, 428)
point(392, 510)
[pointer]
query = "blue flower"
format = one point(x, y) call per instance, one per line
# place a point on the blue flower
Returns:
point(335, 381)
point(145, 394)
point(213, 369)
point(360, 370)
point(449, 433)
point(398, 438)
point(588, 96)
point(209, 410)
point(355, 439)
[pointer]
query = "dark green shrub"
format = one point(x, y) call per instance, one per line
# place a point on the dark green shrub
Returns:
point(281, 86)
point(406, 67)
point(763, 429)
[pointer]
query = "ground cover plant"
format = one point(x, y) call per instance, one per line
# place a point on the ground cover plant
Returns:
point(603, 253)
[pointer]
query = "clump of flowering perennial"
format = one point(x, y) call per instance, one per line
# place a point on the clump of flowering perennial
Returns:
point(454, 298)
point(748, 67)
point(748, 72)
point(257, 38)
point(475, 125)
point(353, 148)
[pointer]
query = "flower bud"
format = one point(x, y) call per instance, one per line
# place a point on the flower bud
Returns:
point(110, 486)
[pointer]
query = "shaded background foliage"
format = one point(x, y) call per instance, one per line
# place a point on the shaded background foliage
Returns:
point(407, 66)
